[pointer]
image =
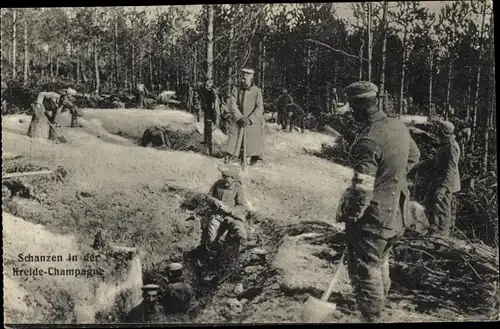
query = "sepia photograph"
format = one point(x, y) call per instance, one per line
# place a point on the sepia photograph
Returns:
point(249, 163)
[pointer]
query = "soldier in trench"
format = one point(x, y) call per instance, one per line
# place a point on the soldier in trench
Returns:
point(178, 294)
point(148, 310)
point(377, 208)
point(156, 136)
point(228, 210)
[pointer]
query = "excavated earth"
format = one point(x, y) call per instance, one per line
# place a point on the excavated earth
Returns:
point(137, 197)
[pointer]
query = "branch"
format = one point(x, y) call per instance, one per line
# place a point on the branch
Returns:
point(336, 50)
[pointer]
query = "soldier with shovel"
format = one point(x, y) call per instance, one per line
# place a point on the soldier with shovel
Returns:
point(377, 205)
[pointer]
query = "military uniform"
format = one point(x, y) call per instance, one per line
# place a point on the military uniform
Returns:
point(445, 181)
point(155, 136)
point(294, 117)
point(47, 107)
point(177, 295)
point(140, 95)
point(377, 213)
point(281, 103)
point(233, 197)
point(147, 311)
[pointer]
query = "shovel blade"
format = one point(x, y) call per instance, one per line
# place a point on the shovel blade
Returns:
point(316, 310)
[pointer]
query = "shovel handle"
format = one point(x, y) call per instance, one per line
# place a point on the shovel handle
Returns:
point(333, 283)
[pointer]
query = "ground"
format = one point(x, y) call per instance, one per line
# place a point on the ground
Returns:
point(134, 194)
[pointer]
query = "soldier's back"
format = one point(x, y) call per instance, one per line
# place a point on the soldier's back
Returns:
point(178, 297)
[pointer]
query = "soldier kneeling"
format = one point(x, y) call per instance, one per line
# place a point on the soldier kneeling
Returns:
point(156, 137)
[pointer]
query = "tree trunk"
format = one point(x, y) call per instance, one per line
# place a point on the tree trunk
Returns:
point(151, 82)
point(361, 60)
point(384, 56)
point(195, 66)
point(117, 77)
point(468, 102)
point(57, 66)
point(369, 41)
point(478, 76)
point(448, 88)
point(263, 66)
point(96, 64)
point(51, 65)
point(431, 63)
point(14, 46)
point(132, 69)
point(491, 94)
point(210, 42)
point(26, 58)
point(403, 69)
point(77, 67)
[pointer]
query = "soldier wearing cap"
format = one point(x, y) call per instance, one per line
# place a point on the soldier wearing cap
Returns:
point(46, 109)
point(444, 180)
point(247, 129)
point(178, 294)
point(229, 209)
point(376, 206)
point(148, 310)
point(283, 100)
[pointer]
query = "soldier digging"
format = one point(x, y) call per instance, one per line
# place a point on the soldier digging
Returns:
point(377, 207)
point(247, 129)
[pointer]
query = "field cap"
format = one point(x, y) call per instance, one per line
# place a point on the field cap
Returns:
point(150, 287)
point(447, 127)
point(361, 89)
point(175, 267)
point(248, 71)
point(229, 171)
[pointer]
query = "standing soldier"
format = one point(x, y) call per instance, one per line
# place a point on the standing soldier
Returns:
point(178, 294)
point(148, 310)
point(283, 100)
point(444, 180)
point(210, 112)
point(141, 93)
point(196, 103)
point(377, 207)
point(247, 130)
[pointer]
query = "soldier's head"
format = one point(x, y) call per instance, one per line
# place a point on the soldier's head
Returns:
point(362, 99)
point(247, 77)
point(229, 175)
point(150, 293)
point(445, 130)
point(209, 84)
point(284, 91)
point(174, 271)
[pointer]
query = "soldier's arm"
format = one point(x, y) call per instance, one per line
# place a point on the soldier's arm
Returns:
point(413, 156)
point(258, 111)
point(234, 105)
point(366, 154)
point(451, 168)
point(239, 209)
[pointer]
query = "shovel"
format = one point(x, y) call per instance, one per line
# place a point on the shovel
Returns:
point(315, 310)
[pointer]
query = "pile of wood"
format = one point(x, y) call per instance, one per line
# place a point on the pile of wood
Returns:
point(448, 273)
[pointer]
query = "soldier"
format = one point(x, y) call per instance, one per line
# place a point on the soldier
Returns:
point(294, 117)
point(229, 209)
point(247, 129)
point(156, 136)
point(47, 108)
point(148, 310)
point(335, 99)
point(196, 102)
point(141, 92)
point(211, 113)
point(377, 207)
point(185, 88)
point(283, 100)
point(444, 180)
point(178, 294)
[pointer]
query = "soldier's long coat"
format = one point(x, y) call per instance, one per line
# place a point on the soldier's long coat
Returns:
point(246, 102)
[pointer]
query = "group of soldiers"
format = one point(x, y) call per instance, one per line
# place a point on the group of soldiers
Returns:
point(375, 206)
